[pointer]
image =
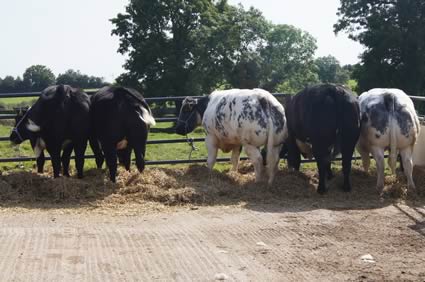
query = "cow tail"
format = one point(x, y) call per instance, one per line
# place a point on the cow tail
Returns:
point(270, 142)
point(393, 134)
point(270, 137)
point(146, 113)
point(147, 116)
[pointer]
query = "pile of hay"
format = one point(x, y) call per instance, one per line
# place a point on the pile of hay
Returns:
point(192, 185)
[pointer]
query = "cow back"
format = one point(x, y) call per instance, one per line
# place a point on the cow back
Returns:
point(62, 112)
point(320, 112)
point(115, 111)
point(241, 116)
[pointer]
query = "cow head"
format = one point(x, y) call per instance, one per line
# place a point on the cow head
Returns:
point(189, 117)
point(24, 127)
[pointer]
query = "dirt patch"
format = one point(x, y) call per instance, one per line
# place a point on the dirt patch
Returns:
point(185, 224)
point(273, 243)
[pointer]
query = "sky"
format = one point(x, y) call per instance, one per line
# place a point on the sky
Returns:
point(77, 34)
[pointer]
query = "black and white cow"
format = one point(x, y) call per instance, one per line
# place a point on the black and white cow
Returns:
point(34, 138)
point(389, 121)
point(121, 119)
point(323, 120)
point(231, 118)
point(59, 120)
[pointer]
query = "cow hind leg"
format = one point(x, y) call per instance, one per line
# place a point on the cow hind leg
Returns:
point(322, 165)
point(347, 149)
point(56, 160)
point(80, 150)
point(272, 162)
point(294, 154)
point(406, 156)
point(256, 159)
point(212, 151)
point(66, 156)
point(329, 172)
point(378, 155)
point(124, 157)
point(40, 162)
point(94, 144)
point(235, 157)
point(110, 153)
point(364, 154)
point(139, 152)
point(137, 142)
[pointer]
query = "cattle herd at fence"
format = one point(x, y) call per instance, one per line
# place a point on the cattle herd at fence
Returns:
point(321, 121)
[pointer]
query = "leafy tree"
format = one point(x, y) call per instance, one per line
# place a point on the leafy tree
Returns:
point(38, 77)
point(77, 79)
point(160, 39)
point(242, 34)
point(393, 32)
point(183, 47)
point(8, 84)
point(287, 58)
point(330, 70)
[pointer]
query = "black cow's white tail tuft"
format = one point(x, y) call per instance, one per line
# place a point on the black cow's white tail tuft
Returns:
point(146, 117)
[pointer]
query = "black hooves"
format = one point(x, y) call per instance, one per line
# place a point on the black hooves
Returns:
point(346, 188)
point(322, 190)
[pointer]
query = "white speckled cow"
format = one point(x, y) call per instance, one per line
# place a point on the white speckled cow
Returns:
point(388, 120)
point(231, 118)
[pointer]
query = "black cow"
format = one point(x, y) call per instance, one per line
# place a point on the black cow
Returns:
point(28, 135)
point(59, 120)
point(120, 120)
point(323, 120)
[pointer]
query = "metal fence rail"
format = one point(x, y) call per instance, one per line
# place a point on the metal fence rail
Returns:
point(8, 114)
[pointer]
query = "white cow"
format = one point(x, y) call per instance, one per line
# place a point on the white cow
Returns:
point(235, 118)
point(389, 121)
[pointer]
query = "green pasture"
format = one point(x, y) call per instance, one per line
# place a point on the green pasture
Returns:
point(9, 103)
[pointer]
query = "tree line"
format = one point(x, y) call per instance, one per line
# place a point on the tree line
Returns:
point(38, 77)
point(393, 34)
point(182, 47)
point(189, 47)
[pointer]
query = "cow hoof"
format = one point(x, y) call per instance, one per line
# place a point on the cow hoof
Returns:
point(258, 180)
point(380, 190)
point(322, 190)
point(412, 189)
point(346, 188)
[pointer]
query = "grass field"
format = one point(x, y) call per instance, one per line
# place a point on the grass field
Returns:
point(13, 102)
